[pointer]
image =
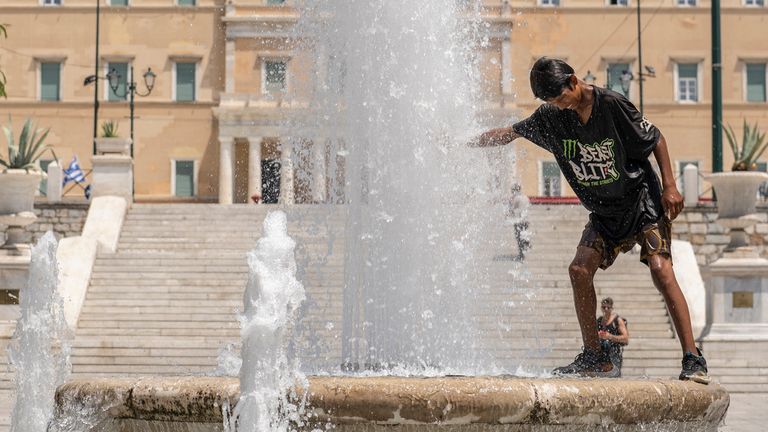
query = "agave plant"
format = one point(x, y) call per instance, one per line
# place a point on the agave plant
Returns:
point(109, 129)
point(25, 153)
point(753, 145)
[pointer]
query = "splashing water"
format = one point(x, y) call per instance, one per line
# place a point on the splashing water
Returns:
point(395, 101)
point(40, 347)
point(267, 377)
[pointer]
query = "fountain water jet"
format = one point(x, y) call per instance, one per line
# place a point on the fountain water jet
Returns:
point(399, 87)
point(271, 300)
point(40, 347)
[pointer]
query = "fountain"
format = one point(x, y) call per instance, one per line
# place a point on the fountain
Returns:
point(40, 346)
point(396, 98)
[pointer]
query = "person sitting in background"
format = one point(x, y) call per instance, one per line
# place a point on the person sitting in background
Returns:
point(612, 331)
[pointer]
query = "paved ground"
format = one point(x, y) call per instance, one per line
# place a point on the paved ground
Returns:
point(747, 413)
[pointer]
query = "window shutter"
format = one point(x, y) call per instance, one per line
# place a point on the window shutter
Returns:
point(615, 70)
point(49, 81)
point(122, 88)
point(185, 82)
point(185, 178)
point(275, 75)
point(756, 82)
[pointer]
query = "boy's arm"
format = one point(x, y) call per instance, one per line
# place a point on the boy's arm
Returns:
point(671, 199)
point(495, 137)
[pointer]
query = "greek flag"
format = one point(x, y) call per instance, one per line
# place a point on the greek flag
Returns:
point(74, 173)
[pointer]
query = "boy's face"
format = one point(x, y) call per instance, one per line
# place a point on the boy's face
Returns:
point(567, 99)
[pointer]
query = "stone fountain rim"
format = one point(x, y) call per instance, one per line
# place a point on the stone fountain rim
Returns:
point(393, 400)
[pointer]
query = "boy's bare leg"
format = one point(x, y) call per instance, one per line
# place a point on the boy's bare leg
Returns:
point(664, 278)
point(582, 271)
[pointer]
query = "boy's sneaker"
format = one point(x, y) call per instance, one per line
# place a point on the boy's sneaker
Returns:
point(591, 363)
point(694, 368)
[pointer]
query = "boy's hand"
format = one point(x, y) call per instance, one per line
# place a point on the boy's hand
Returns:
point(672, 202)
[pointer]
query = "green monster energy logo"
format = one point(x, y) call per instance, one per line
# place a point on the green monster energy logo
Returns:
point(569, 148)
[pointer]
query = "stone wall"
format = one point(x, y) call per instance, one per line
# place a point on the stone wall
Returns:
point(65, 219)
point(699, 226)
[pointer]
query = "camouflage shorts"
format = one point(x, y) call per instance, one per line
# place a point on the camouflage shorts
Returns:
point(654, 239)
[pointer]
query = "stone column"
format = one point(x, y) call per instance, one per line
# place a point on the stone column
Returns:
point(225, 169)
point(254, 167)
point(54, 186)
point(319, 170)
point(286, 172)
point(113, 175)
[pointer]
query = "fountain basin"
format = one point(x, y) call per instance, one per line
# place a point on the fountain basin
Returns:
point(409, 404)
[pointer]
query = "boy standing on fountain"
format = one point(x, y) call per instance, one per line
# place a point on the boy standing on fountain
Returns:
point(602, 145)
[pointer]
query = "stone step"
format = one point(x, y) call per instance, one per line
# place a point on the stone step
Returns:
point(332, 266)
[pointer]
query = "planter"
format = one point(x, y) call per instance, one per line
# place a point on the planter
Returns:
point(113, 146)
point(17, 190)
point(736, 199)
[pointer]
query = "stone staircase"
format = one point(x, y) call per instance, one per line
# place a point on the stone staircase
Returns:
point(167, 301)
point(547, 300)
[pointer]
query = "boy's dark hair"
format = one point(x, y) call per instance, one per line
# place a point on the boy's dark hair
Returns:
point(607, 301)
point(549, 76)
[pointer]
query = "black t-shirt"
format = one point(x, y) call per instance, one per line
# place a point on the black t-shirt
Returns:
point(605, 160)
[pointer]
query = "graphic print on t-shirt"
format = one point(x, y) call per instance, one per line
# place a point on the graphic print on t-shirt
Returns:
point(592, 164)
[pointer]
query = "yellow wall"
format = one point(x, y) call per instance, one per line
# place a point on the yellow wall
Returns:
point(153, 33)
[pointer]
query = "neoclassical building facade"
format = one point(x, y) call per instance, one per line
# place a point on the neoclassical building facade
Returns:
point(231, 78)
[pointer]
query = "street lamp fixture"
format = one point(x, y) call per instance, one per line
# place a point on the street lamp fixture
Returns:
point(589, 78)
point(626, 79)
point(132, 89)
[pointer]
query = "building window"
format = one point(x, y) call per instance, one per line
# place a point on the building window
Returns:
point(615, 83)
point(758, 3)
point(184, 178)
point(51, 2)
point(185, 82)
point(686, 2)
point(617, 2)
point(118, 2)
point(755, 82)
point(550, 184)
point(50, 81)
point(275, 2)
point(122, 87)
point(186, 2)
point(680, 170)
point(549, 2)
point(687, 82)
point(275, 75)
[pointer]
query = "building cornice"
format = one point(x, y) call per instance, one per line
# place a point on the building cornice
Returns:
point(260, 26)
